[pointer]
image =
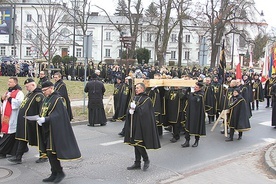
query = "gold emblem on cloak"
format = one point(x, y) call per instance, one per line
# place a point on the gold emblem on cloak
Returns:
point(38, 99)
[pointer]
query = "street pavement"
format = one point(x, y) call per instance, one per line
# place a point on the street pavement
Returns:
point(105, 158)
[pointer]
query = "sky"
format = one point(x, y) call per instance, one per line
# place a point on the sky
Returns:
point(267, 6)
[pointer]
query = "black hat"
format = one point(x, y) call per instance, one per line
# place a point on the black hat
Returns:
point(28, 81)
point(119, 77)
point(200, 84)
point(47, 84)
point(94, 76)
point(237, 89)
point(273, 73)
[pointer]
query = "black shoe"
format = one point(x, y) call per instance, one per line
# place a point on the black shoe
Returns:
point(60, 176)
point(3, 156)
point(240, 137)
point(222, 131)
point(146, 165)
point(134, 167)
point(173, 140)
point(229, 139)
point(113, 120)
point(41, 160)
point(90, 125)
point(121, 133)
point(169, 128)
point(15, 160)
point(266, 106)
point(186, 144)
point(103, 124)
point(51, 178)
point(195, 144)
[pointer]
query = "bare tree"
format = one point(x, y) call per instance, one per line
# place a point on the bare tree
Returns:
point(163, 25)
point(46, 31)
point(222, 17)
point(132, 11)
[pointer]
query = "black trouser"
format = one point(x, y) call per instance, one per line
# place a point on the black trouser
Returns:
point(176, 130)
point(21, 148)
point(54, 162)
point(257, 104)
point(232, 133)
point(188, 137)
point(140, 152)
point(267, 101)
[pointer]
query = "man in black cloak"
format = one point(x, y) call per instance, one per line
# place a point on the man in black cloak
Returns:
point(140, 127)
point(58, 134)
point(238, 118)
point(60, 86)
point(195, 113)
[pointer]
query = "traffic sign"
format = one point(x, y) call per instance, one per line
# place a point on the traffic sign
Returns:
point(127, 39)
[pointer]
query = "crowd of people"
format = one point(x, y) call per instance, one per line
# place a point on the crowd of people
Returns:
point(147, 111)
point(42, 119)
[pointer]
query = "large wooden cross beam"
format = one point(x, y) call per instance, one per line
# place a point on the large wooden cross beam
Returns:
point(166, 82)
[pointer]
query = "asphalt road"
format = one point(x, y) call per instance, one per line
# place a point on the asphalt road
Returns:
point(105, 158)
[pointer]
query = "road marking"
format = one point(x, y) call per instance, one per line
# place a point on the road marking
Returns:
point(266, 123)
point(112, 143)
point(270, 140)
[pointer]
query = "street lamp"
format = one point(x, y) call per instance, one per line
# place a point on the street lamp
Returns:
point(233, 40)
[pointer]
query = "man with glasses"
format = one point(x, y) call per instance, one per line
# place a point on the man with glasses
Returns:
point(59, 137)
point(26, 130)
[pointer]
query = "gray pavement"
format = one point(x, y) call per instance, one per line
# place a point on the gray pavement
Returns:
point(269, 158)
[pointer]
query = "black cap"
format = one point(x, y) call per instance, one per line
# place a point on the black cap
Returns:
point(238, 90)
point(47, 84)
point(94, 76)
point(200, 84)
point(28, 81)
point(119, 77)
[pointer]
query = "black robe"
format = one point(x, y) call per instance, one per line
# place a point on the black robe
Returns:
point(27, 130)
point(258, 93)
point(121, 95)
point(210, 101)
point(144, 130)
point(238, 116)
point(60, 86)
point(58, 133)
point(154, 94)
point(95, 90)
point(273, 94)
point(195, 112)
point(218, 91)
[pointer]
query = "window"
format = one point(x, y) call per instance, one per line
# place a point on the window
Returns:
point(200, 37)
point(150, 54)
point(173, 54)
point(28, 51)
point(3, 51)
point(107, 52)
point(39, 18)
point(173, 38)
point(108, 36)
point(29, 18)
point(187, 38)
point(13, 51)
point(78, 52)
point(28, 34)
point(149, 37)
point(187, 55)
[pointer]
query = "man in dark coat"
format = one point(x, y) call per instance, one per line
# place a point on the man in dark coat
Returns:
point(267, 90)
point(60, 86)
point(258, 94)
point(238, 118)
point(59, 137)
point(121, 95)
point(27, 130)
point(195, 112)
point(273, 94)
point(95, 90)
point(140, 127)
point(42, 78)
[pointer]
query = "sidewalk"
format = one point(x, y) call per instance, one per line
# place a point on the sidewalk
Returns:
point(270, 158)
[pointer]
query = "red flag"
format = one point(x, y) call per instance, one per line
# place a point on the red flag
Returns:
point(238, 71)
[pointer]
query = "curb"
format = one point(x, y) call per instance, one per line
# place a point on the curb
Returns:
point(269, 158)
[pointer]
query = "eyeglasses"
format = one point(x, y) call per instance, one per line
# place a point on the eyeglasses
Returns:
point(45, 89)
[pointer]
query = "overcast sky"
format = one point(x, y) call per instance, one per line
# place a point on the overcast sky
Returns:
point(267, 6)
